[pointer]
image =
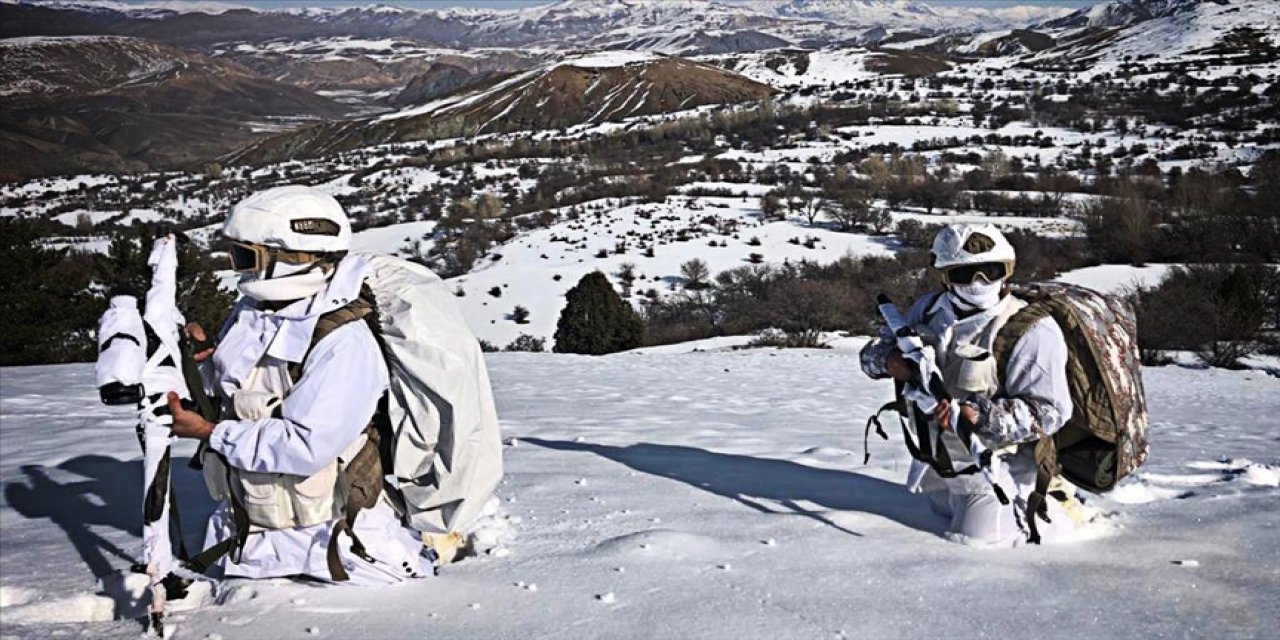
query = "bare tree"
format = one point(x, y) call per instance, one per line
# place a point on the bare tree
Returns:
point(696, 274)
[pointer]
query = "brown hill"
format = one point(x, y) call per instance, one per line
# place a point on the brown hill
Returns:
point(559, 96)
point(124, 104)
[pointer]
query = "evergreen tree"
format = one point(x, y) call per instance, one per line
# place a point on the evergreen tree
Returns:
point(596, 320)
point(50, 310)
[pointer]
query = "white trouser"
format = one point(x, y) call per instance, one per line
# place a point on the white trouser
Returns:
point(303, 551)
point(976, 515)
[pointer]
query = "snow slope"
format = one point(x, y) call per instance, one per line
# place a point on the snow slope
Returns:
point(709, 495)
point(538, 267)
point(1117, 278)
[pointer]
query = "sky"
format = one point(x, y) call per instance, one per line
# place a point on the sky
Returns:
point(513, 4)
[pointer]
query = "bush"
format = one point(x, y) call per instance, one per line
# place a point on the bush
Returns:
point(596, 321)
point(520, 315)
point(1217, 311)
point(779, 339)
point(797, 301)
point(526, 342)
point(1121, 228)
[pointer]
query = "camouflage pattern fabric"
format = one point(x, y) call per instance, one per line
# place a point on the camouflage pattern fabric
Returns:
point(1106, 438)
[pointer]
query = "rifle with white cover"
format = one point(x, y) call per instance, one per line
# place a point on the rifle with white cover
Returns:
point(140, 362)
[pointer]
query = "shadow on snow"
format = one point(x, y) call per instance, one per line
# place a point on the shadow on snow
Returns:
point(100, 491)
point(755, 481)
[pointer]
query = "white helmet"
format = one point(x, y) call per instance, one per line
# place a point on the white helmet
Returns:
point(965, 244)
point(294, 218)
point(285, 242)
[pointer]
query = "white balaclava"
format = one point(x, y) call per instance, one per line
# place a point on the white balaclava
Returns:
point(288, 282)
point(979, 295)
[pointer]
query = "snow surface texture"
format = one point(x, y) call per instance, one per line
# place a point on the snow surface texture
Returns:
point(686, 495)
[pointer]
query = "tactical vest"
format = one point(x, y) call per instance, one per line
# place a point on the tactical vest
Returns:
point(272, 501)
point(969, 366)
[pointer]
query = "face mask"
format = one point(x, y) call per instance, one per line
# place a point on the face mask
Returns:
point(291, 282)
point(977, 295)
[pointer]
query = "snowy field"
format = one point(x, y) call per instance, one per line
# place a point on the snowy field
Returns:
point(676, 495)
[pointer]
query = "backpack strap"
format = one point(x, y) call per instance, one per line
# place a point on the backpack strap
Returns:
point(362, 477)
point(1046, 451)
point(1014, 330)
point(233, 543)
point(358, 309)
point(1038, 502)
point(362, 483)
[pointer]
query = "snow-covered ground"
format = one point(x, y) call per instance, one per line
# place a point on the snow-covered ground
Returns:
point(675, 495)
point(1117, 278)
point(538, 267)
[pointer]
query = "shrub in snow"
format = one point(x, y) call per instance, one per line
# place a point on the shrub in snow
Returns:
point(495, 292)
point(526, 342)
point(596, 321)
point(755, 258)
point(783, 340)
point(696, 274)
point(520, 315)
point(1218, 311)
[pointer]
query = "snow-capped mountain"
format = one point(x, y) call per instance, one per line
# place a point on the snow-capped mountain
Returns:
point(1122, 13)
point(904, 14)
point(673, 26)
point(1138, 28)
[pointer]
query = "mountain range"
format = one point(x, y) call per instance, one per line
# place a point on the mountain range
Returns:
point(107, 86)
point(557, 25)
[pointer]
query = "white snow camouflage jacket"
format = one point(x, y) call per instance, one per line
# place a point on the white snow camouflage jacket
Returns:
point(1035, 400)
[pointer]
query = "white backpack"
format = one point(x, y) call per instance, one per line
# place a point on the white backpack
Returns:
point(446, 448)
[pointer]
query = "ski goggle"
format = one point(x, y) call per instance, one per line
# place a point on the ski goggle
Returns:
point(967, 274)
point(247, 257)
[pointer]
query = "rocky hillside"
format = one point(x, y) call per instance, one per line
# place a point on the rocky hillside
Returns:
point(126, 104)
point(597, 88)
point(387, 65)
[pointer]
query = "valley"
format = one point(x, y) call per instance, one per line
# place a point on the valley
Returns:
point(516, 170)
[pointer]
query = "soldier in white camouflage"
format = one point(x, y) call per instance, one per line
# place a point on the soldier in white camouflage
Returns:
point(1011, 404)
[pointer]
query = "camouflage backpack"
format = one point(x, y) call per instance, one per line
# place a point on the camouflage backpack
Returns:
point(1106, 438)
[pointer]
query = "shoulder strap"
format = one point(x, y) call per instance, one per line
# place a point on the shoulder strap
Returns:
point(1013, 331)
point(357, 309)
